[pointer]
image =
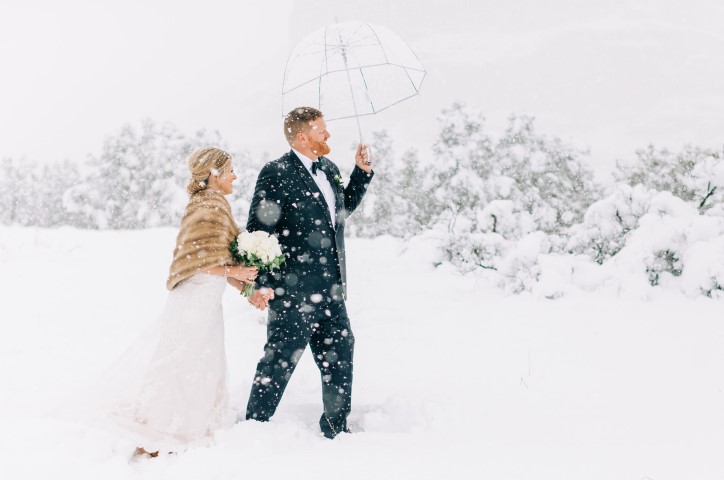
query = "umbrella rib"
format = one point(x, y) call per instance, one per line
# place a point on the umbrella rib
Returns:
point(416, 58)
point(329, 72)
point(351, 90)
point(325, 67)
point(379, 42)
point(355, 68)
point(358, 31)
point(355, 45)
point(408, 68)
point(326, 64)
point(364, 80)
point(319, 93)
point(365, 114)
point(424, 74)
point(285, 78)
point(359, 66)
point(410, 79)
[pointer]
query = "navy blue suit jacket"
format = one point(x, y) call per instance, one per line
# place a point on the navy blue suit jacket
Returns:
point(287, 203)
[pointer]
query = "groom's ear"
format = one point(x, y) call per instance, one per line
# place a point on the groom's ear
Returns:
point(300, 138)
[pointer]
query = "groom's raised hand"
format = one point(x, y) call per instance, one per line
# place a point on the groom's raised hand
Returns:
point(363, 159)
point(260, 298)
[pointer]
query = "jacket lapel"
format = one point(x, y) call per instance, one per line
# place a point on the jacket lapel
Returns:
point(312, 186)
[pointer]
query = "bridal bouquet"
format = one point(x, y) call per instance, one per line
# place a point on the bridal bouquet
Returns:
point(257, 249)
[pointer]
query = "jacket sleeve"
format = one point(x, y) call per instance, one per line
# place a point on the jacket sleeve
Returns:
point(266, 208)
point(359, 180)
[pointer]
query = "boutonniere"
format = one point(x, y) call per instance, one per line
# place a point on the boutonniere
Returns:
point(338, 180)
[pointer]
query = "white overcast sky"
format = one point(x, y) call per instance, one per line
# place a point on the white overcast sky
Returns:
point(609, 75)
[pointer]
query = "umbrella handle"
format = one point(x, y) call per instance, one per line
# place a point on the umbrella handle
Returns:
point(362, 142)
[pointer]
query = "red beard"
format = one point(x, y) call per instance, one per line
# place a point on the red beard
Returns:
point(320, 148)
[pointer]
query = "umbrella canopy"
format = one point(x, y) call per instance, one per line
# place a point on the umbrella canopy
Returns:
point(351, 69)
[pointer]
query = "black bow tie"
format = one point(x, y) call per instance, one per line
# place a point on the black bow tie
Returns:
point(316, 166)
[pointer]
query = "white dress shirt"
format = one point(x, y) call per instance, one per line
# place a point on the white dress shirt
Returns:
point(322, 182)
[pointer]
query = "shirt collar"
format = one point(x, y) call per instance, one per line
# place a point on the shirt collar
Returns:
point(305, 159)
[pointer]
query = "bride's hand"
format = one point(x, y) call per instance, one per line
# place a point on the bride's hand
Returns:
point(244, 274)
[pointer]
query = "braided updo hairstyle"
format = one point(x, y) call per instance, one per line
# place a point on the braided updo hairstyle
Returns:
point(202, 163)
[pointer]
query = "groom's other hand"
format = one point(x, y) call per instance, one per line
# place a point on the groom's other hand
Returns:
point(363, 159)
point(260, 298)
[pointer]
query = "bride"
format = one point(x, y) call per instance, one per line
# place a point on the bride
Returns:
point(182, 398)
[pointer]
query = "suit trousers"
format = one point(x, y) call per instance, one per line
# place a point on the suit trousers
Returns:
point(325, 327)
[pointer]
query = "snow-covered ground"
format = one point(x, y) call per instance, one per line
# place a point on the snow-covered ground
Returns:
point(453, 379)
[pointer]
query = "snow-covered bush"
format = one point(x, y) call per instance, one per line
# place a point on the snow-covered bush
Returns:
point(519, 268)
point(659, 241)
point(694, 174)
point(520, 210)
point(634, 241)
point(642, 236)
point(470, 251)
point(703, 260)
point(513, 186)
point(607, 222)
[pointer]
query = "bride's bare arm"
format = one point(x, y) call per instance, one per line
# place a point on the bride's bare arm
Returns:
point(235, 283)
point(236, 272)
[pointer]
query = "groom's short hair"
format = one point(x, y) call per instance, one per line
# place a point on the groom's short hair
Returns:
point(298, 121)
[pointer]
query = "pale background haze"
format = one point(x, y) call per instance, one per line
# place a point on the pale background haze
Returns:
point(611, 76)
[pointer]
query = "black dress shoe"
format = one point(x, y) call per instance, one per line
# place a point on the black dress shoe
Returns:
point(330, 430)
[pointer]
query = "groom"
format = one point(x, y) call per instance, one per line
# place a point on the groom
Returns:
point(301, 199)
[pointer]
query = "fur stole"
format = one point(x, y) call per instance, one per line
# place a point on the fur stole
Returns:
point(207, 230)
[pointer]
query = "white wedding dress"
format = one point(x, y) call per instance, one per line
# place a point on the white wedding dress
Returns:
point(172, 384)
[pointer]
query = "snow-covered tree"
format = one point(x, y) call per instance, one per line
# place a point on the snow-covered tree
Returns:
point(463, 162)
point(401, 200)
point(549, 179)
point(247, 170)
point(21, 192)
point(374, 217)
point(56, 179)
point(7, 191)
point(138, 180)
point(415, 208)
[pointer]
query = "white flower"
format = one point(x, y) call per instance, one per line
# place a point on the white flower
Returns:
point(245, 242)
point(260, 244)
point(260, 235)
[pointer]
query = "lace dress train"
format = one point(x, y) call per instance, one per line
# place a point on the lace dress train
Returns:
point(180, 396)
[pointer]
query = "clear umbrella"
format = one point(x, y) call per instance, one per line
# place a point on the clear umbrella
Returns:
point(351, 69)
